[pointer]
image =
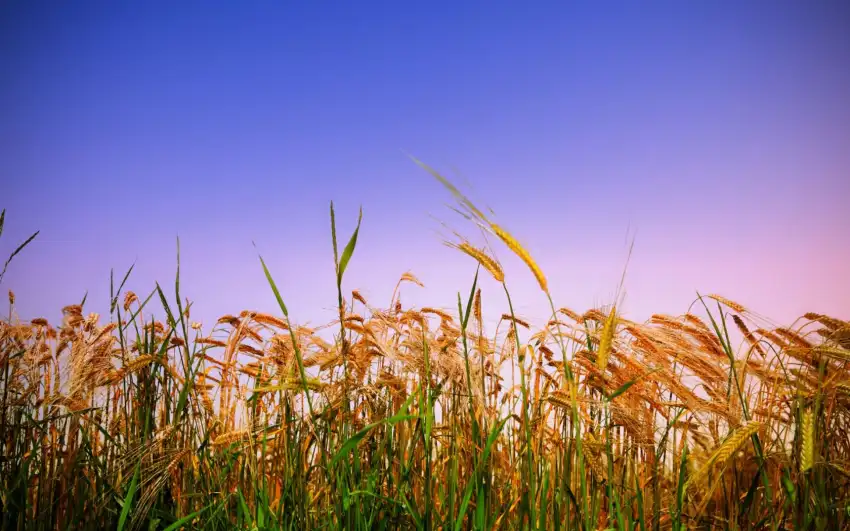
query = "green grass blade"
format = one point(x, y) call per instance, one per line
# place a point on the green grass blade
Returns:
point(15, 253)
point(117, 294)
point(465, 316)
point(491, 439)
point(274, 288)
point(188, 518)
point(625, 387)
point(128, 499)
point(349, 248)
point(411, 509)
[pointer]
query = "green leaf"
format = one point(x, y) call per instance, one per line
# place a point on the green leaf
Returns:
point(479, 508)
point(625, 387)
point(118, 293)
point(417, 519)
point(465, 317)
point(244, 507)
point(165, 306)
point(491, 439)
point(186, 519)
point(789, 487)
point(19, 249)
point(680, 488)
point(462, 512)
point(748, 500)
point(128, 499)
point(333, 237)
point(274, 287)
point(639, 495)
point(544, 501)
point(177, 278)
point(349, 249)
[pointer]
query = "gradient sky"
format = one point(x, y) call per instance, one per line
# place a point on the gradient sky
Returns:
point(716, 132)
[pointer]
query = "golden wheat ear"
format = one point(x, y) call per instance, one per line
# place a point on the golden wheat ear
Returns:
point(489, 263)
point(807, 447)
point(523, 254)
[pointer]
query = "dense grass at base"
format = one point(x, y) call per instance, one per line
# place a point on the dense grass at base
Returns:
point(422, 419)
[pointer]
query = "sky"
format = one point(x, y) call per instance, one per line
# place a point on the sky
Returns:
point(716, 134)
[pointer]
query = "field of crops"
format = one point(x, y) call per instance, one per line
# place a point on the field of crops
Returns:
point(419, 418)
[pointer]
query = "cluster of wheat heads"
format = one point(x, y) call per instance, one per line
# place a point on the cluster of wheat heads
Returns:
point(423, 418)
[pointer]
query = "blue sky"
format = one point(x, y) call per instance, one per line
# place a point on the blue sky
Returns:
point(717, 132)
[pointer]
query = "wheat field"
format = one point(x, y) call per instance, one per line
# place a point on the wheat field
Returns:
point(419, 418)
